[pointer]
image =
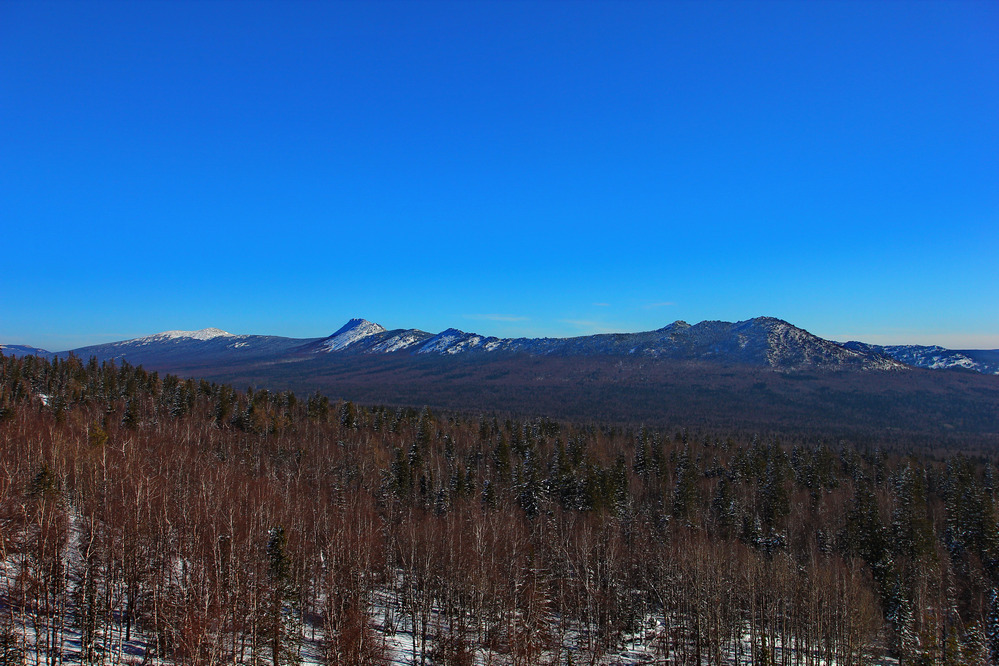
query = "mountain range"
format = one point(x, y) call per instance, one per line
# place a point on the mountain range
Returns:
point(760, 374)
point(761, 342)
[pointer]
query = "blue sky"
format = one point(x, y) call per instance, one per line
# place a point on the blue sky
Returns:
point(511, 168)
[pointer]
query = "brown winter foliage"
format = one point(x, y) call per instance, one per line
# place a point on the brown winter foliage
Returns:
point(144, 516)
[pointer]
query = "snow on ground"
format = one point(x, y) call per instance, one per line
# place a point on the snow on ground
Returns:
point(392, 629)
point(392, 625)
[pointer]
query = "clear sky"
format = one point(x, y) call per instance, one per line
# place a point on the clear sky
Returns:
point(510, 168)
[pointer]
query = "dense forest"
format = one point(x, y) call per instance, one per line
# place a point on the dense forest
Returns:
point(151, 519)
point(928, 407)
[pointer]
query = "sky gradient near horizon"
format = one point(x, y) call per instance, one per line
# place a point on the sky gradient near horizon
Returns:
point(510, 168)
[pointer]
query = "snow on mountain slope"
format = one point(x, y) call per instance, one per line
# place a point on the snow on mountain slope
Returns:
point(929, 357)
point(790, 346)
point(453, 341)
point(933, 357)
point(397, 341)
point(761, 342)
point(206, 346)
point(23, 350)
point(202, 335)
point(351, 332)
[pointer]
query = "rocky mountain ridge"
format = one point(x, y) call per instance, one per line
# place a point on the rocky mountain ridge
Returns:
point(762, 341)
point(934, 357)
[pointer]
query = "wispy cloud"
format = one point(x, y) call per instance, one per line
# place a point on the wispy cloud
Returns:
point(602, 305)
point(494, 317)
point(663, 304)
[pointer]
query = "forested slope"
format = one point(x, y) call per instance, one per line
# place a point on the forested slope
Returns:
point(144, 516)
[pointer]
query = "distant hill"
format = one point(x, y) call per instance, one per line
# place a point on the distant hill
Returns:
point(207, 347)
point(24, 350)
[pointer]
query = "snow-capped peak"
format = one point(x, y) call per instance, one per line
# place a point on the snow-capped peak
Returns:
point(203, 334)
point(349, 333)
